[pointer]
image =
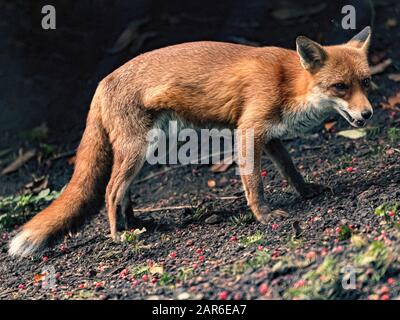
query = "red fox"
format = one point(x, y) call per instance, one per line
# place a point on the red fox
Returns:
point(272, 91)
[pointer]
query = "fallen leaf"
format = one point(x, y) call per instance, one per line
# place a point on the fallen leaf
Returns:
point(222, 166)
point(38, 277)
point(71, 161)
point(37, 185)
point(353, 133)
point(156, 269)
point(391, 23)
point(127, 36)
point(329, 125)
point(211, 183)
point(394, 77)
point(378, 57)
point(19, 162)
point(380, 67)
point(392, 102)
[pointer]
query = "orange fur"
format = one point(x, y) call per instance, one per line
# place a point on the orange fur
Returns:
point(263, 89)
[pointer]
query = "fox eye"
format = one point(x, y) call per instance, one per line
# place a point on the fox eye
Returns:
point(341, 86)
point(366, 83)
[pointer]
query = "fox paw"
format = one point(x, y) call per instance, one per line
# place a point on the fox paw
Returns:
point(311, 190)
point(267, 215)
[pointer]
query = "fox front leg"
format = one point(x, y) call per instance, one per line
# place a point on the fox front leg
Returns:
point(282, 160)
point(250, 171)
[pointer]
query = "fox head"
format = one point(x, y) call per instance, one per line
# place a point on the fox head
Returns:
point(341, 75)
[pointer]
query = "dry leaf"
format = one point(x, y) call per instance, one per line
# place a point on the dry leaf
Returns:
point(71, 161)
point(353, 134)
point(19, 162)
point(211, 183)
point(394, 77)
point(156, 269)
point(38, 277)
point(378, 57)
point(38, 184)
point(127, 36)
point(329, 125)
point(392, 102)
point(380, 67)
point(391, 23)
point(223, 165)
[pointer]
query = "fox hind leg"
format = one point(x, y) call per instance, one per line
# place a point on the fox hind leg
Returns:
point(117, 194)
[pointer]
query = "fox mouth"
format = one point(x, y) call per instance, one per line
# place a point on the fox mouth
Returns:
point(350, 119)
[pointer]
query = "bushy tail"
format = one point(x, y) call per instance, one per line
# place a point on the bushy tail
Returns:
point(83, 196)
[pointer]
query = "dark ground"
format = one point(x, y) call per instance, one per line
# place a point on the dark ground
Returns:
point(234, 257)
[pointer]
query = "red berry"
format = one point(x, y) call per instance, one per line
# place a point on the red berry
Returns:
point(134, 283)
point(300, 283)
point(189, 243)
point(385, 297)
point(384, 289)
point(260, 248)
point(195, 266)
point(274, 226)
point(21, 287)
point(154, 280)
point(223, 295)
point(199, 251)
point(390, 213)
point(233, 238)
point(311, 255)
point(82, 286)
point(145, 277)
point(391, 281)
point(173, 255)
point(337, 249)
point(338, 229)
point(237, 296)
point(263, 289)
point(202, 258)
point(45, 258)
point(124, 273)
point(264, 173)
point(350, 169)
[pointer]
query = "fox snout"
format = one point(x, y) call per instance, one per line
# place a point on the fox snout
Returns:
point(361, 115)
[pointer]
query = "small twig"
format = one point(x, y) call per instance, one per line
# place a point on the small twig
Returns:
point(162, 209)
point(63, 155)
point(229, 198)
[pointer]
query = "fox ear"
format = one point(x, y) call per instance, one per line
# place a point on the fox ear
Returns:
point(312, 55)
point(362, 39)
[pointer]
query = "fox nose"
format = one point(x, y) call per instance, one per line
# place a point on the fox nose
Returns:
point(366, 114)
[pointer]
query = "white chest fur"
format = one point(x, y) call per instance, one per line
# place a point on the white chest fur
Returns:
point(305, 117)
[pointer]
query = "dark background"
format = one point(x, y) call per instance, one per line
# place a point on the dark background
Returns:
point(49, 76)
